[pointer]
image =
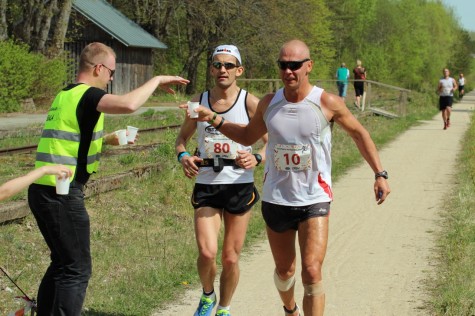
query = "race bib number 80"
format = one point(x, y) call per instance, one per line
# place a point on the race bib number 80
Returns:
point(220, 147)
point(292, 157)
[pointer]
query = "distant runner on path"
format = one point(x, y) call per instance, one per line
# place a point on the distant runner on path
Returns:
point(445, 89)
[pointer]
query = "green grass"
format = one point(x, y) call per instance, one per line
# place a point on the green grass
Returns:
point(454, 284)
point(142, 237)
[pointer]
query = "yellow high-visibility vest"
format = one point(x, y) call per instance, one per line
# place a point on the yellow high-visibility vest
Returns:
point(59, 143)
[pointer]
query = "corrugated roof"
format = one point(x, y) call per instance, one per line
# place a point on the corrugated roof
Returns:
point(116, 24)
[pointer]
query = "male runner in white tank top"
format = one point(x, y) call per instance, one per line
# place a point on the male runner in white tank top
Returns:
point(224, 188)
point(297, 186)
point(445, 89)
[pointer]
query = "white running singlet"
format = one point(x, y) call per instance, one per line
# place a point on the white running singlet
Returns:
point(447, 86)
point(212, 143)
point(298, 155)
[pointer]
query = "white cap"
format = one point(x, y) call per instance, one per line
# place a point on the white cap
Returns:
point(228, 50)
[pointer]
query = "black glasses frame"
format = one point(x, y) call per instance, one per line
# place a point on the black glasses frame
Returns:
point(292, 65)
point(111, 72)
point(218, 65)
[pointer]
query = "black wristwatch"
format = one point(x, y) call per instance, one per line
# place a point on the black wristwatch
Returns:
point(258, 158)
point(383, 174)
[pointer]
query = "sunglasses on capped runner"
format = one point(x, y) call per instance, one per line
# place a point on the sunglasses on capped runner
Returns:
point(292, 65)
point(218, 65)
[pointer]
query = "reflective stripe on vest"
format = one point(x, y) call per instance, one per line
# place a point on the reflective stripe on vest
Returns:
point(59, 143)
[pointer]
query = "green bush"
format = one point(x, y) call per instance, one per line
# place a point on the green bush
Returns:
point(24, 75)
point(51, 74)
point(17, 67)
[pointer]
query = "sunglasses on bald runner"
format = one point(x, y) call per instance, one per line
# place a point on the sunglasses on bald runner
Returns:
point(218, 65)
point(292, 65)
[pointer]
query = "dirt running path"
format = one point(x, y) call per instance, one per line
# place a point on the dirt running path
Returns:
point(378, 256)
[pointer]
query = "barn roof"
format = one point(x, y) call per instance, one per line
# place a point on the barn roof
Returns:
point(116, 24)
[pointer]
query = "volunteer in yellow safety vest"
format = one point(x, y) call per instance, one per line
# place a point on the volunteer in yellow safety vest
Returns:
point(73, 136)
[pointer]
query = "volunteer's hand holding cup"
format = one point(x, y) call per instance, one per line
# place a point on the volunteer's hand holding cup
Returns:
point(63, 175)
point(132, 134)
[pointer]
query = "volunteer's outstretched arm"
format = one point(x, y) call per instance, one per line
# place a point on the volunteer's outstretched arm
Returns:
point(14, 186)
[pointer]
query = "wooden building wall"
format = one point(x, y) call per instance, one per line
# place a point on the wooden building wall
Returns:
point(133, 65)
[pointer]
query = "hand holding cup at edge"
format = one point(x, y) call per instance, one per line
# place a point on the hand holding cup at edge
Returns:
point(204, 113)
point(132, 134)
point(122, 136)
point(62, 183)
point(192, 106)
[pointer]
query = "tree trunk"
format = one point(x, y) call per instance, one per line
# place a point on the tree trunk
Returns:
point(3, 20)
point(43, 26)
point(22, 26)
point(57, 44)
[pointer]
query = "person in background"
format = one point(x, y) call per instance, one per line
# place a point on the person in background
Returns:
point(12, 187)
point(461, 86)
point(342, 75)
point(73, 136)
point(445, 89)
point(297, 189)
point(224, 190)
point(359, 73)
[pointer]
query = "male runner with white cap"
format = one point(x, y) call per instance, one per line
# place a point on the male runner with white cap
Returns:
point(297, 189)
point(224, 188)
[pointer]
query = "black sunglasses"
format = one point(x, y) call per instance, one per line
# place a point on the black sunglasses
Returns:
point(218, 65)
point(111, 72)
point(292, 65)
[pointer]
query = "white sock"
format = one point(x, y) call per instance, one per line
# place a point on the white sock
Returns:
point(223, 307)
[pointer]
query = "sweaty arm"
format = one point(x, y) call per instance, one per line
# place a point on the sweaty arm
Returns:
point(243, 134)
point(335, 109)
point(130, 102)
point(250, 160)
point(187, 159)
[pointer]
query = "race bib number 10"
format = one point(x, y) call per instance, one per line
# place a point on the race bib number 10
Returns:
point(292, 157)
point(220, 147)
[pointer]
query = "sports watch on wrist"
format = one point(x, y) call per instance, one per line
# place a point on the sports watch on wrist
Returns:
point(258, 159)
point(383, 174)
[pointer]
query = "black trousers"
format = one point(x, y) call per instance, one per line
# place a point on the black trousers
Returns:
point(64, 223)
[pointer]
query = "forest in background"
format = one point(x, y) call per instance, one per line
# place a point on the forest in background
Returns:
point(401, 42)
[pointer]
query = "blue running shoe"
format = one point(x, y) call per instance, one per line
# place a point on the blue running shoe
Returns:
point(206, 305)
point(223, 312)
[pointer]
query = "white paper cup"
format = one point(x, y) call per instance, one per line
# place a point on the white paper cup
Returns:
point(62, 185)
point(122, 133)
point(132, 133)
point(191, 107)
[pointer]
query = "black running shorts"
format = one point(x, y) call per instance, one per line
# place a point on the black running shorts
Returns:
point(234, 198)
point(445, 101)
point(281, 218)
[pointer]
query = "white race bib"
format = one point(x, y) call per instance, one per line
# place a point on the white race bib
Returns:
point(220, 146)
point(292, 157)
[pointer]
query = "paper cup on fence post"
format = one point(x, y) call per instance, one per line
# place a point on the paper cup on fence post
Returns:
point(132, 133)
point(191, 107)
point(62, 185)
point(122, 134)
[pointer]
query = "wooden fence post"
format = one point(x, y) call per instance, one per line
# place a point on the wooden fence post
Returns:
point(368, 97)
point(403, 103)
